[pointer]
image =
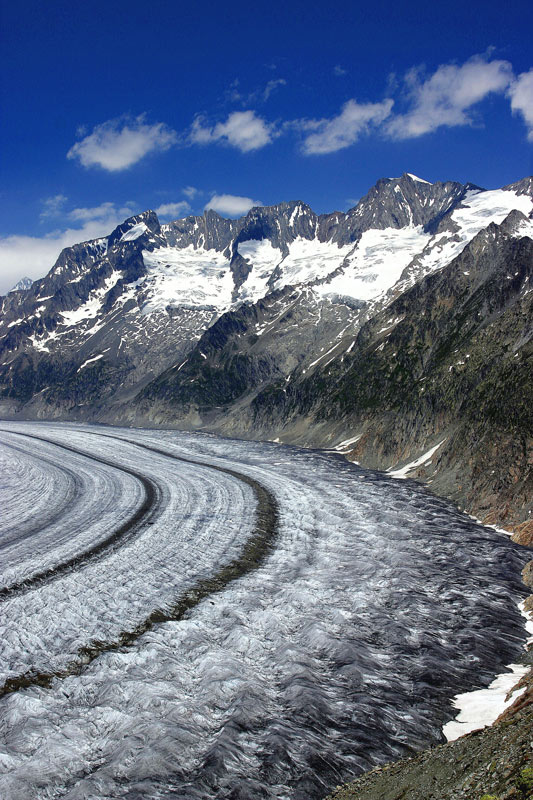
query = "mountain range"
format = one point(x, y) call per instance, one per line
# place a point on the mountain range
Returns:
point(398, 332)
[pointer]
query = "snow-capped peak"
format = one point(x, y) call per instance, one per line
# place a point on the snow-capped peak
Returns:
point(23, 285)
point(416, 178)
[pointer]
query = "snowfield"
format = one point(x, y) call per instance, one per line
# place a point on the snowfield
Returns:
point(335, 643)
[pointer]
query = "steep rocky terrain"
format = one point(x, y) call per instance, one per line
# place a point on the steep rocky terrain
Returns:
point(404, 323)
point(449, 361)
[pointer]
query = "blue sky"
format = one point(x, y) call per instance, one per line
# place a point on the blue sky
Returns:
point(112, 108)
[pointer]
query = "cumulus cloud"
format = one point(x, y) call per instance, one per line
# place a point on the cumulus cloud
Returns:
point(354, 120)
point(102, 213)
point(231, 205)
point(35, 255)
point(445, 98)
point(521, 94)
point(173, 210)
point(119, 143)
point(242, 129)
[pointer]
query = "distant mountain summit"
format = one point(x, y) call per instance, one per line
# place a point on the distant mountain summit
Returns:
point(23, 285)
point(263, 326)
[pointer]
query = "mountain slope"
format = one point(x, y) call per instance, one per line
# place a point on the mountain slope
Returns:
point(450, 358)
point(312, 328)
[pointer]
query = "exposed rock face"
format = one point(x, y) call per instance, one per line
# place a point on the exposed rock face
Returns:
point(406, 320)
point(399, 202)
point(524, 533)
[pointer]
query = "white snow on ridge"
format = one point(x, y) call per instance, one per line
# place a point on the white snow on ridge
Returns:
point(264, 258)
point(478, 210)
point(377, 263)
point(187, 277)
point(417, 179)
point(134, 232)
point(199, 277)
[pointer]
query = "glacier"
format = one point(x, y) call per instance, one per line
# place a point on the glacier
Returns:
point(337, 649)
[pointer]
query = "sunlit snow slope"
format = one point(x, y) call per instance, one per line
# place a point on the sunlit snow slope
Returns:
point(188, 664)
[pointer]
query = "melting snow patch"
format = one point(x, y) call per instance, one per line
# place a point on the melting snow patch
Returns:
point(90, 309)
point(403, 472)
point(89, 361)
point(346, 445)
point(480, 708)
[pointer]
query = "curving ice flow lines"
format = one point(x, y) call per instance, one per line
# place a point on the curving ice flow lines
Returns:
point(125, 532)
point(378, 603)
point(251, 555)
point(55, 513)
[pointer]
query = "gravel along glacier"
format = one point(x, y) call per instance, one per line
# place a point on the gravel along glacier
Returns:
point(184, 616)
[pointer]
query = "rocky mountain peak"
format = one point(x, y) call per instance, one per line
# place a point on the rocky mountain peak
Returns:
point(281, 224)
point(134, 227)
point(523, 186)
point(23, 285)
point(517, 224)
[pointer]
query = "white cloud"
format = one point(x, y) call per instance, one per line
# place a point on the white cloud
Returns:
point(231, 205)
point(445, 98)
point(34, 256)
point(173, 210)
point(242, 129)
point(191, 192)
point(272, 86)
point(119, 143)
point(52, 206)
point(521, 94)
point(355, 119)
point(102, 213)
